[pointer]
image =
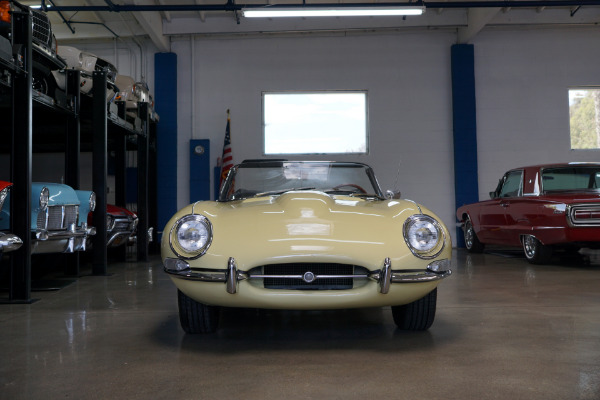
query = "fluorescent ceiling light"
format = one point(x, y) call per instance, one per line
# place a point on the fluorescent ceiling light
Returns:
point(274, 11)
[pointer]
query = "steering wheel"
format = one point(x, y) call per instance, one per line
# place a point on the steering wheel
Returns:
point(354, 185)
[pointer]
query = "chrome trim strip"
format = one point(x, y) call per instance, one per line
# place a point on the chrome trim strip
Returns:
point(58, 235)
point(416, 277)
point(258, 276)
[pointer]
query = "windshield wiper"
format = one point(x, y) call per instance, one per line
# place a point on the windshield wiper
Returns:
point(281, 191)
point(366, 195)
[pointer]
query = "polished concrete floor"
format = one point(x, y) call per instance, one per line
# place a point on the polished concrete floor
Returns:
point(504, 330)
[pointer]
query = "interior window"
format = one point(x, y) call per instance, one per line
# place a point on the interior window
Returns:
point(512, 184)
point(333, 122)
point(572, 178)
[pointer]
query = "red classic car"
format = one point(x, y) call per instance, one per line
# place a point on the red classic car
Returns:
point(541, 208)
point(121, 225)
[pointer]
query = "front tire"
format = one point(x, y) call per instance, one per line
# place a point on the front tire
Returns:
point(535, 251)
point(418, 315)
point(472, 242)
point(197, 317)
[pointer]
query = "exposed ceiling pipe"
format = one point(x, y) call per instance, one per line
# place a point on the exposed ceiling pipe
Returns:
point(231, 6)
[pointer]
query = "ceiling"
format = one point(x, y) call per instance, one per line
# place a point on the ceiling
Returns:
point(161, 20)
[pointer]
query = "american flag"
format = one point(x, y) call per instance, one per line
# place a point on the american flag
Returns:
point(227, 158)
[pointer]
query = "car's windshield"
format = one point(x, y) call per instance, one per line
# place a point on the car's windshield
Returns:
point(571, 178)
point(272, 178)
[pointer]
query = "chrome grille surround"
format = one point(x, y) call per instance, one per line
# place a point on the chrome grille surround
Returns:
point(123, 224)
point(581, 215)
point(57, 218)
point(309, 276)
point(42, 32)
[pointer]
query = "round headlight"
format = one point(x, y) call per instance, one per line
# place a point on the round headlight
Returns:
point(44, 198)
point(92, 201)
point(191, 236)
point(424, 236)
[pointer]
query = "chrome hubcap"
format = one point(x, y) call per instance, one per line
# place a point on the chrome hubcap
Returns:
point(529, 246)
point(468, 235)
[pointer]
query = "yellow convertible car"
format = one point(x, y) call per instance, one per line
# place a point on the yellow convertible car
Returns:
point(305, 236)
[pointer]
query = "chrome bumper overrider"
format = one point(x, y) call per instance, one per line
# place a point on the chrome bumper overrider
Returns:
point(385, 276)
point(9, 242)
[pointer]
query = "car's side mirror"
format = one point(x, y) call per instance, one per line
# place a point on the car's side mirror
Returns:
point(493, 195)
point(390, 194)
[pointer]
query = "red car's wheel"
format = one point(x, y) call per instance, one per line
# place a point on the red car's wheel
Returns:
point(472, 242)
point(535, 251)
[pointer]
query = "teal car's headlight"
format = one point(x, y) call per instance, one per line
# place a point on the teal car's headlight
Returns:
point(191, 236)
point(44, 198)
point(424, 236)
point(3, 194)
point(92, 201)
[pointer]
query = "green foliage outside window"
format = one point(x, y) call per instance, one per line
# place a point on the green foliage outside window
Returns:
point(584, 113)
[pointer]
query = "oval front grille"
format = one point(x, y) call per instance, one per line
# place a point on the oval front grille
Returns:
point(289, 276)
point(59, 217)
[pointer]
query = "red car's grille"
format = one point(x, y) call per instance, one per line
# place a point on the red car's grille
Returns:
point(584, 215)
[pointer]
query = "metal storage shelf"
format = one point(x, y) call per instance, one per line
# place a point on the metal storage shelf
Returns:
point(74, 124)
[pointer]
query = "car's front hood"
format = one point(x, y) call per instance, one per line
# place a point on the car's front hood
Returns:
point(306, 226)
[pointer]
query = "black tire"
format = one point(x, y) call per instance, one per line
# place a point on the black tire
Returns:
point(197, 317)
point(535, 251)
point(45, 84)
point(418, 315)
point(472, 242)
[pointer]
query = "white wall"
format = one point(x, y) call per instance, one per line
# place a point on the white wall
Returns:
point(408, 81)
point(522, 79)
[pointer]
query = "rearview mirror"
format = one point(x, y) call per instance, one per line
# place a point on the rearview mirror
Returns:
point(390, 194)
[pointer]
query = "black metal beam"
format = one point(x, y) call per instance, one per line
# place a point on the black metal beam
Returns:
point(22, 128)
point(120, 150)
point(72, 152)
point(99, 172)
point(230, 6)
point(142, 170)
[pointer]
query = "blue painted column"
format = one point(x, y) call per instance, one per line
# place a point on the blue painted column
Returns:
point(165, 84)
point(466, 187)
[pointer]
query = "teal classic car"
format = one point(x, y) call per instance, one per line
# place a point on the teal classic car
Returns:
point(58, 218)
point(8, 241)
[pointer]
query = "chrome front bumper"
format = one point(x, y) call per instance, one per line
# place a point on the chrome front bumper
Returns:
point(9, 242)
point(68, 241)
point(385, 276)
point(116, 239)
